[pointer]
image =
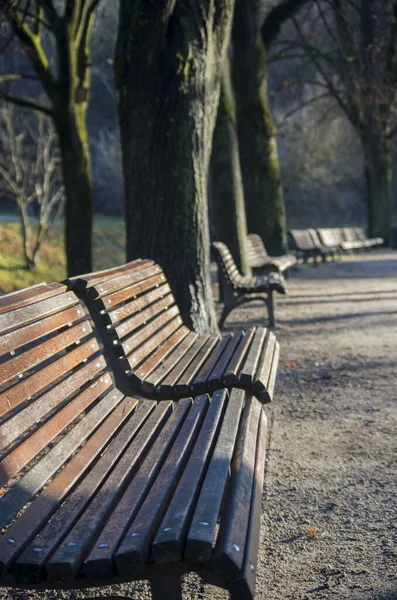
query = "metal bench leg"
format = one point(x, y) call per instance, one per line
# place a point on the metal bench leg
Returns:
point(168, 587)
point(226, 310)
point(270, 307)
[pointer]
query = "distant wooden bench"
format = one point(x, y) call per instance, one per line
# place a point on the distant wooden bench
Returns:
point(100, 488)
point(307, 246)
point(236, 289)
point(368, 242)
point(261, 262)
point(333, 237)
point(325, 251)
point(159, 354)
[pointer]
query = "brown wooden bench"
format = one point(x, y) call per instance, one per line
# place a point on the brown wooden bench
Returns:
point(325, 251)
point(333, 237)
point(261, 262)
point(99, 487)
point(159, 354)
point(369, 242)
point(304, 245)
point(236, 289)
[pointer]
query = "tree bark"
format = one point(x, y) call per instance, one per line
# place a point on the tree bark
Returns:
point(76, 168)
point(226, 181)
point(256, 130)
point(378, 173)
point(167, 74)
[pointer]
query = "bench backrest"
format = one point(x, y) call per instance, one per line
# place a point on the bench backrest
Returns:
point(231, 276)
point(256, 250)
point(349, 234)
point(315, 237)
point(302, 239)
point(329, 236)
point(52, 373)
point(360, 234)
point(140, 311)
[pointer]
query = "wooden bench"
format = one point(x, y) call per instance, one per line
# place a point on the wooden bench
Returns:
point(162, 357)
point(305, 247)
point(235, 289)
point(99, 487)
point(333, 237)
point(261, 262)
point(369, 242)
point(325, 251)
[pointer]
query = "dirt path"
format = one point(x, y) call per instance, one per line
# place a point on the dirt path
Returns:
point(329, 524)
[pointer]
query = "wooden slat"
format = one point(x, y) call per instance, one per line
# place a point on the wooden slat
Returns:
point(125, 288)
point(100, 560)
point(145, 314)
point(136, 339)
point(88, 280)
point(199, 385)
point(43, 506)
point(164, 331)
point(273, 373)
point(65, 562)
point(183, 384)
point(29, 296)
point(160, 355)
point(262, 376)
point(11, 429)
point(231, 375)
point(19, 364)
point(203, 526)
point(244, 585)
point(18, 316)
point(112, 317)
point(157, 375)
point(34, 384)
point(32, 446)
point(215, 379)
point(30, 333)
point(37, 476)
point(167, 385)
point(228, 555)
point(169, 541)
point(250, 365)
point(134, 549)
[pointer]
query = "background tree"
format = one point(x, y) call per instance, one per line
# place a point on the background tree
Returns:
point(256, 130)
point(168, 60)
point(30, 174)
point(66, 82)
point(227, 193)
point(353, 48)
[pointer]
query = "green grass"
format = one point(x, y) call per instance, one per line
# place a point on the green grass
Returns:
point(108, 250)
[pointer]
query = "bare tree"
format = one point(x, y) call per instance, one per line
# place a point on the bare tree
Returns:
point(30, 174)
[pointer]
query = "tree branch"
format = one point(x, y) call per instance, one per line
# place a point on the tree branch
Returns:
point(276, 17)
point(25, 102)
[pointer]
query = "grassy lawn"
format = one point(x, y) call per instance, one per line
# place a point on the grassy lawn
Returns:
point(108, 247)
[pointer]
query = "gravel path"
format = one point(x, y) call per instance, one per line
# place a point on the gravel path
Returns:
point(329, 528)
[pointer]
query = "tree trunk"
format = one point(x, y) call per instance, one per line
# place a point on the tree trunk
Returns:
point(256, 130)
point(167, 74)
point(226, 182)
point(378, 173)
point(76, 168)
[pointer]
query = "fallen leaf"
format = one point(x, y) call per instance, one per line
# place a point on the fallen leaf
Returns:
point(292, 364)
point(313, 532)
point(2, 492)
point(377, 408)
point(351, 430)
point(329, 355)
point(370, 420)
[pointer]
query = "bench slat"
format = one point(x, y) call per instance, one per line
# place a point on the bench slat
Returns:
point(134, 341)
point(165, 367)
point(118, 291)
point(262, 376)
point(273, 373)
point(169, 541)
point(123, 314)
point(167, 386)
point(135, 547)
point(249, 368)
point(33, 445)
point(160, 355)
point(81, 282)
point(231, 375)
point(24, 390)
point(203, 526)
point(100, 561)
point(230, 546)
point(200, 380)
point(183, 384)
point(136, 436)
point(244, 585)
point(216, 377)
point(37, 476)
point(43, 506)
point(29, 296)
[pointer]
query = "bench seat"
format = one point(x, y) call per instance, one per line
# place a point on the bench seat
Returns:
point(100, 487)
point(261, 262)
point(159, 354)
